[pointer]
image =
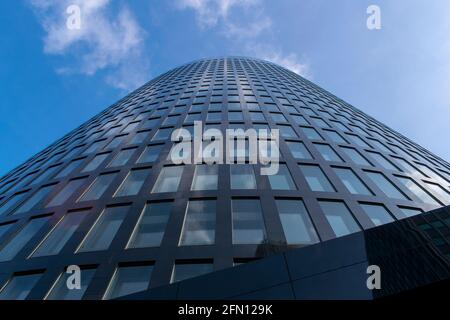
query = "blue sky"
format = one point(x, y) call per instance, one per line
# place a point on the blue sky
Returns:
point(52, 79)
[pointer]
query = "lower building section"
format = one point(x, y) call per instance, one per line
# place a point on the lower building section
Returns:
point(405, 258)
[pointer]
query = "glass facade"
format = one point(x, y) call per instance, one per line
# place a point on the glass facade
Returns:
point(107, 197)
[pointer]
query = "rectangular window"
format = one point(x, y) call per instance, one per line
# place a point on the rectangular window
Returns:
point(168, 179)
point(19, 287)
point(98, 187)
point(351, 181)
point(298, 150)
point(287, 132)
point(104, 230)
point(69, 169)
point(60, 234)
point(122, 158)
point(205, 177)
point(296, 223)
point(183, 271)
point(46, 174)
point(339, 218)
point(242, 176)
point(355, 156)
point(152, 223)
point(385, 185)
point(311, 133)
point(11, 202)
point(327, 152)
point(162, 134)
point(358, 141)
point(335, 137)
point(300, 120)
point(132, 183)
point(150, 153)
point(59, 290)
point(69, 189)
point(248, 222)
point(116, 142)
point(199, 223)
point(282, 180)
point(13, 247)
point(36, 201)
point(377, 213)
point(409, 212)
point(316, 179)
point(418, 191)
point(4, 228)
point(386, 164)
point(96, 162)
point(128, 280)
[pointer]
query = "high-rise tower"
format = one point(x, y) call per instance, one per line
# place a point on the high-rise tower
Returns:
point(107, 197)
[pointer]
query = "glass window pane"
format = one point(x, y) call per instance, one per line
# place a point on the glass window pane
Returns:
point(132, 183)
point(139, 137)
point(59, 291)
point(128, 280)
point(122, 158)
point(205, 177)
point(316, 179)
point(199, 223)
point(69, 189)
point(150, 153)
point(61, 234)
point(409, 212)
point(4, 228)
point(358, 141)
point(104, 230)
point(96, 162)
point(311, 133)
point(242, 176)
point(183, 271)
point(282, 180)
point(335, 137)
point(14, 200)
point(440, 191)
point(327, 152)
point(46, 175)
point(168, 179)
point(98, 187)
point(297, 226)
point(12, 248)
point(248, 223)
point(298, 150)
point(163, 134)
point(377, 213)
point(19, 287)
point(287, 132)
point(150, 228)
point(355, 156)
point(339, 217)
point(386, 164)
point(418, 191)
point(386, 186)
point(36, 201)
point(352, 182)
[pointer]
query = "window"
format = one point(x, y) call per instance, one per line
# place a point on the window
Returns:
point(297, 226)
point(69, 169)
point(122, 158)
point(287, 132)
point(36, 201)
point(299, 119)
point(60, 235)
point(199, 223)
point(19, 287)
point(150, 228)
point(248, 223)
point(358, 141)
point(214, 116)
point(14, 200)
point(352, 182)
point(278, 117)
point(104, 230)
point(12, 248)
point(116, 142)
point(311, 133)
point(168, 179)
point(4, 228)
point(385, 185)
point(46, 174)
point(377, 213)
point(128, 280)
point(183, 271)
point(59, 290)
point(441, 192)
point(339, 217)
point(205, 177)
point(235, 116)
point(132, 183)
point(242, 176)
point(355, 156)
point(418, 191)
point(98, 187)
point(139, 137)
point(298, 150)
point(171, 120)
point(409, 212)
point(68, 190)
point(163, 134)
point(386, 164)
point(95, 163)
point(257, 116)
point(327, 152)
point(316, 179)
point(335, 137)
point(282, 180)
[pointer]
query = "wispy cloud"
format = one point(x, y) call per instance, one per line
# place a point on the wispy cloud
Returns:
point(109, 41)
point(244, 29)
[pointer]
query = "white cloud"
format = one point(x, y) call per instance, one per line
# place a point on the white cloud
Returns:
point(109, 41)
point(289, 61)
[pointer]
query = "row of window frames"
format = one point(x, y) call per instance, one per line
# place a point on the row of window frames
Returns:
point(127, 279)
point(242, 177)
point(248, 225)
